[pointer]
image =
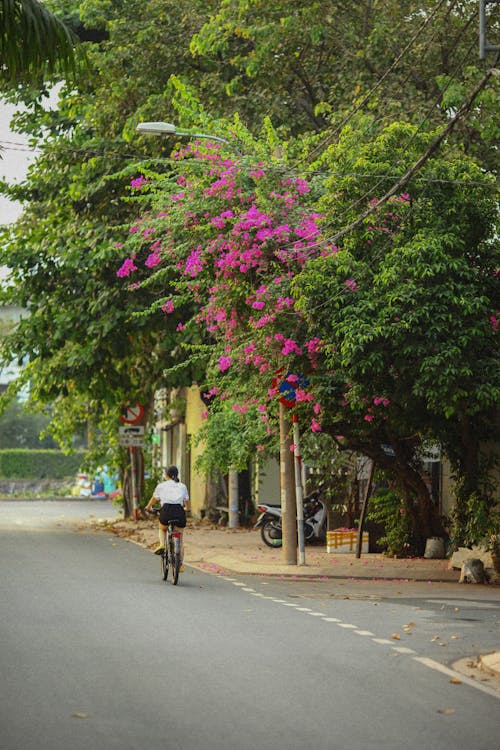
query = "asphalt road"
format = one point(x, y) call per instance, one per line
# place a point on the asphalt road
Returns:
point(98, 653)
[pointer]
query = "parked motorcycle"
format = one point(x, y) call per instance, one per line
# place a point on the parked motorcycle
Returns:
point(315, 517)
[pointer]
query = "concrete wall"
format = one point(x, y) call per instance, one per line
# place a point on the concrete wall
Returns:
point(194, 420)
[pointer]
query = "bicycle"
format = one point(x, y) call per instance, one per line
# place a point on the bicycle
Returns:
point(170, 557)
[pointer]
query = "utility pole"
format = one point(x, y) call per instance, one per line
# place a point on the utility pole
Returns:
point(288, 505)
point(233, 499)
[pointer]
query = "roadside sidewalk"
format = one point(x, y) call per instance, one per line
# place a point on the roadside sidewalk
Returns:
point(243, 551)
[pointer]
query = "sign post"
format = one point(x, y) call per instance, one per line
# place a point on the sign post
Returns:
point(132, 436)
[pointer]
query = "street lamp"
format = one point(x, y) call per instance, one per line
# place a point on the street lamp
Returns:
point(168, 128)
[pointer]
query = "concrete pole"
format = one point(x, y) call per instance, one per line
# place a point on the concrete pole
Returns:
point(288, 508)
point(298, 490)
point(233, 499)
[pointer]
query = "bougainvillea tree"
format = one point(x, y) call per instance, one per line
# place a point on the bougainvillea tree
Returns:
point(243, 253)
point(221, 241)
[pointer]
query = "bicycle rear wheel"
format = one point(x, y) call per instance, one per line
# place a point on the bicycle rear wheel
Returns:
point(164, 564)
point(175, 558)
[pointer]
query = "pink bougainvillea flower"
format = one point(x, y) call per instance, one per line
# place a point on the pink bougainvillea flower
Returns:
point(301, 395)
point(494, 322)
point(368, 417)
point(180, 327)
point(153, 259)
point(240, 408)
point(351, 285)
point(168, 307)
point(128, 266)
point(224, 363)
point(317, 408)
point(315, 425)
point(138, 182)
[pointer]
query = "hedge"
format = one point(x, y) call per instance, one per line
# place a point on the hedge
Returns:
point(23, 463)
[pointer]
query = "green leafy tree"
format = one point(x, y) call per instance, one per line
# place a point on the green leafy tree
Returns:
point(407, 308)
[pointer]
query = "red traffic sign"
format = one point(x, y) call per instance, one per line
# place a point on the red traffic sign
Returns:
point(133, 414)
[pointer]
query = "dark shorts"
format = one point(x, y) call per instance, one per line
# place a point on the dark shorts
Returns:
point(171, 512)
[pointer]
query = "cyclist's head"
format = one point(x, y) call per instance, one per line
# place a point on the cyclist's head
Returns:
point(173, 473)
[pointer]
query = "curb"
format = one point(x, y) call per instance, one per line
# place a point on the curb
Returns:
point(490, 663)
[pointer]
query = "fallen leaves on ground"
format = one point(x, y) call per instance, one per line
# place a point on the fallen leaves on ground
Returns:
point(396, 636)
point(446, 711)
point(78, 715)
point(455, 681)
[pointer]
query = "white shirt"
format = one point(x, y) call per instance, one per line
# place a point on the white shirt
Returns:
point(171, 492)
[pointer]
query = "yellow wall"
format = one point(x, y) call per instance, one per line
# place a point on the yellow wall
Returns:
point(194, 410)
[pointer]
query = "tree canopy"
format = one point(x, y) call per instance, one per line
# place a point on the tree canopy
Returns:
point(241, 279)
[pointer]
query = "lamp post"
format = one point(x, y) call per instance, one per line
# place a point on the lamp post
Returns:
point(168, 128)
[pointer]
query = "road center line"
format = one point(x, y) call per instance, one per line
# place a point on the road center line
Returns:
point(364, 632)
point(347, 625)
point(383, 641)
point(403, 650)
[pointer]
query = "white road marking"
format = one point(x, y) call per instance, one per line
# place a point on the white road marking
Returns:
point(426, 662)
point(403, 650)
point(455, 675)
point(347, 625)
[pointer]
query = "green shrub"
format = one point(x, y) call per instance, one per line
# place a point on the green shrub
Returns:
point(22, 463)
point(388, 509)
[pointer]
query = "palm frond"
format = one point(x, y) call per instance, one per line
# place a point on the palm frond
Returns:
point(33, 41)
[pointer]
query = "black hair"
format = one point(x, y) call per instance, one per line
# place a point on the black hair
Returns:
point(173, 473)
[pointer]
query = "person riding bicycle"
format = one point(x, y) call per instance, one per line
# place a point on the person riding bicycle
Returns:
point(173, 497)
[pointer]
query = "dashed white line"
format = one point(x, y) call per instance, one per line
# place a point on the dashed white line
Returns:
point(430, 663)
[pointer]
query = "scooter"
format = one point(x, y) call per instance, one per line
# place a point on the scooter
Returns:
point(270, 526)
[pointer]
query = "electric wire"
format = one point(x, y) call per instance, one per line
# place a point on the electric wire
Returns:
point(321, 146)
